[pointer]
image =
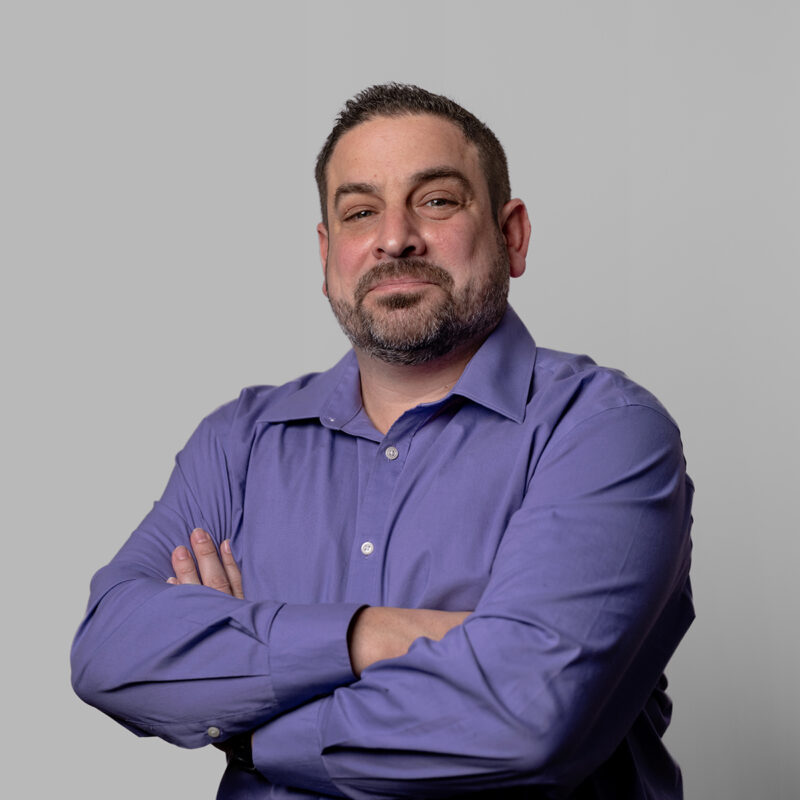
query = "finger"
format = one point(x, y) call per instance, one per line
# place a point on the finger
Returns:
point(212, 573)
point(173, 580)
point(183, 566)
point(231, 569)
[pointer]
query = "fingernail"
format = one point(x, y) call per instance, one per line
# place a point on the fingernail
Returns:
point(172, 580)
point(181, 554)
point(226, 547)
point(199, 535)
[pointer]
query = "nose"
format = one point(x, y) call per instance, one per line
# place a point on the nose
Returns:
point(397, 236)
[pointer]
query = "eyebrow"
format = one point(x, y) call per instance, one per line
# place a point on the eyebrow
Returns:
point(437, 173)
point(423, 176)
point(353, 188)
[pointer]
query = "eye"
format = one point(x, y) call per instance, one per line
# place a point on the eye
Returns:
point(439, 206)
point(440, 202)
point(355, 216)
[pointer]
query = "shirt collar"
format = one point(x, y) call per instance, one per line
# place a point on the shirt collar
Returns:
point(498, 377)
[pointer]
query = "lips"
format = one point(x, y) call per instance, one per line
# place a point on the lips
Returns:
point(401, 274)
point(402, 283)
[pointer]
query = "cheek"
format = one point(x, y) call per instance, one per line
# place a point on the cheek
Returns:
point(455, 246)
point(345, 260)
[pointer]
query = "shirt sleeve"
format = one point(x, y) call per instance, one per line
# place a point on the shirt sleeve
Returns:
point(188, 663)
point(588, 598)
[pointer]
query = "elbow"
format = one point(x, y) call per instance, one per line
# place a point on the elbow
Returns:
point(539, 756)
point(88, 682)
point(82, 687)
point(98, 671)
point(540, 748)
point(104, 657)
point(101, 687)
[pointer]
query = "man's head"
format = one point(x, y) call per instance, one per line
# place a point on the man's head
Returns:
point(415, 252)
point(397, 99)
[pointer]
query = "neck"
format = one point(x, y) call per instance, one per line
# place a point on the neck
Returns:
point(389, 390)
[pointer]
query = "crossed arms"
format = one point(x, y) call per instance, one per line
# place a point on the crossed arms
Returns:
point(586, 600)
point(376, 632)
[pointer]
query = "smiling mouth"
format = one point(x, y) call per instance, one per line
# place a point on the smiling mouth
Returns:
point(393, 284)
point(403, 277)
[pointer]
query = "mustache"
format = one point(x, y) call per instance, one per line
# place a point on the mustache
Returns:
point(415, 268)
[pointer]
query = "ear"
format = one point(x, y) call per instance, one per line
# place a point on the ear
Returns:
point(515, 226)
point(322, 234)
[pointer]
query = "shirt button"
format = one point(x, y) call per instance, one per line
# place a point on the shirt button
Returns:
point(367, 548)
point(391, 453)
point(214, 732)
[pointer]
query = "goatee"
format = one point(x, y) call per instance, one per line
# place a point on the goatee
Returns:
point(410, 327)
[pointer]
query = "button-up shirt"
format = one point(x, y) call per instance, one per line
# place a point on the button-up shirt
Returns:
point(545, 494)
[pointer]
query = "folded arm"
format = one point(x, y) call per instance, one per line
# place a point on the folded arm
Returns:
point(182, 661)
point(587, 600)
point(170, 646)
point(375, 634)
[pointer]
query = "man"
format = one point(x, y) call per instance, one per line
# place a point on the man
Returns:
point(464, 559)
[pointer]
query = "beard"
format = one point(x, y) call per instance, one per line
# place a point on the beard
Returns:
point(413, 328)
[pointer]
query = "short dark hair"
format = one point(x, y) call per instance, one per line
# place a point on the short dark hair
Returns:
point(400, 99)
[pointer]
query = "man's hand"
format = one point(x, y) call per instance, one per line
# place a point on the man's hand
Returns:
point(380, 632)
point(216, 570)
point(376, 633)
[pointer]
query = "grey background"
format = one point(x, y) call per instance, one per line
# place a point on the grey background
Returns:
point(158, 254)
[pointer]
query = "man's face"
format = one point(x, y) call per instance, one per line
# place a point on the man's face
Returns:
point(415, 263)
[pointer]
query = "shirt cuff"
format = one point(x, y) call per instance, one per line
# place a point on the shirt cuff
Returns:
point(308, 651)
point(287, 751)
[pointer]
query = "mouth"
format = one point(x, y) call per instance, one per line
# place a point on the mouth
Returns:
point(404, 277)
point(400, 284)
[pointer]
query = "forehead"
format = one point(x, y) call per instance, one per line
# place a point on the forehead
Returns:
point(387, 149)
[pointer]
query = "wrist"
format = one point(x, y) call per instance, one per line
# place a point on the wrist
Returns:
point(239, 750)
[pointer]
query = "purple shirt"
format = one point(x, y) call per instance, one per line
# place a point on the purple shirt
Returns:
point(544, 492)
